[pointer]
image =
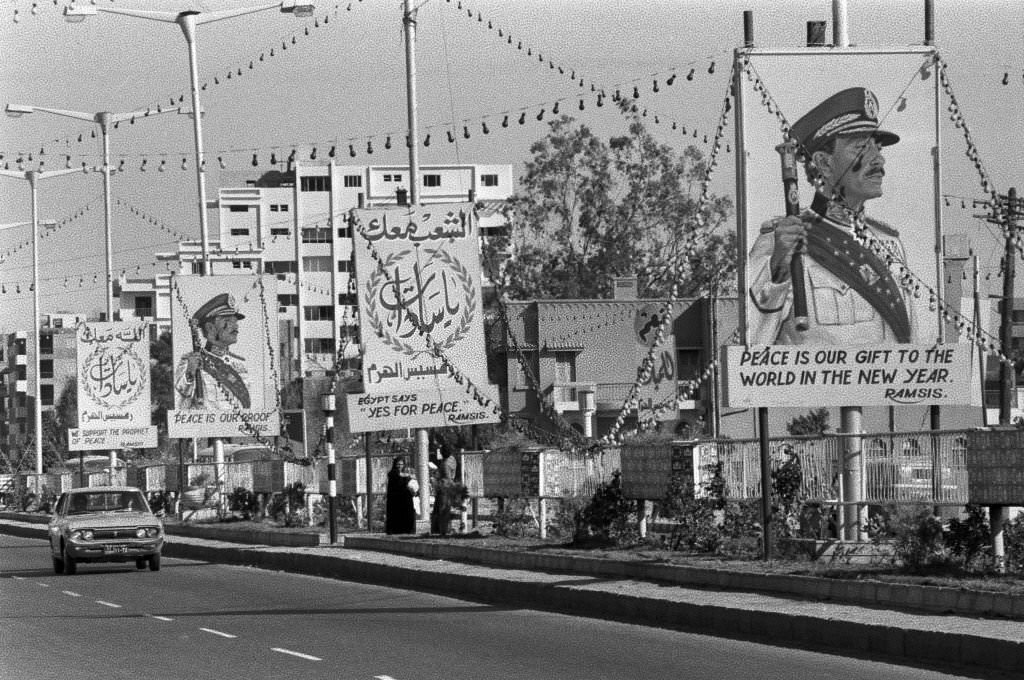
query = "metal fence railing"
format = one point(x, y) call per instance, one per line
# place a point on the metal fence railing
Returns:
point(925, 467)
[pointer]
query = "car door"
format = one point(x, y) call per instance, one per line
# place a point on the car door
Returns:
point(55, 523)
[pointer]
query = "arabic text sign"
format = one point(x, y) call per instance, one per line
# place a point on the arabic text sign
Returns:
point(224, 341)
point(418, 280)
point(826, 375)
point(373, 412)
point(113, 388)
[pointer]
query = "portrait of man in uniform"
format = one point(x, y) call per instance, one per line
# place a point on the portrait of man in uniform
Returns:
point(853, 293)
point(211, 377)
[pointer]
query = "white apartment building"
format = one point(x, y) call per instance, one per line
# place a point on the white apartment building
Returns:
point(295, 224)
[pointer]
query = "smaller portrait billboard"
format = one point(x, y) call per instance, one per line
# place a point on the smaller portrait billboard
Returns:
point(225, 346)
point(113, 388)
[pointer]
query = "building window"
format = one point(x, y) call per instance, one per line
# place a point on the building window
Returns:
point(319, 346)
point(345, 266)
point(393, 178)
point(280, 231)
point(46, 393)
point(316, 264)
point(315, 183)
point(352, 181)
point(237, 231)
point(197, 267)
point(287, 299)
point(242, 264)
point(46, 368)
point(279, 266)
point(348, 331)
point(316, 235)
point(347, 299)
point(278, 207)
point(238, 208)
point(143, 306)
point(489, 180)
point(45, 343)
point(318, 313)
point(431, 180)
point(345, 232)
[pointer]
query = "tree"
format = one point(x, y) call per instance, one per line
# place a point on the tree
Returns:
point(56, 423)
point(589, 211)
point(815, 422)
point(161, 381)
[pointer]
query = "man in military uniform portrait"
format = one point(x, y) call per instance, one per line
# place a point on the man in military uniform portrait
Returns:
point(853, 295)
point(211, 378)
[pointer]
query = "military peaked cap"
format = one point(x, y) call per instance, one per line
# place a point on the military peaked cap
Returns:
point(851, 111)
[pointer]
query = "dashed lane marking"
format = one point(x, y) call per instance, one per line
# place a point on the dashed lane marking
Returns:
point(42, 585)
point(383, 677)
point(217, 632)
point(159, 618)
point(71, 593)
point(298, 654)
point(108, 604)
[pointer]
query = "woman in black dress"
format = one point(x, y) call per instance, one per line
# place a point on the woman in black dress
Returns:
point(400, 517)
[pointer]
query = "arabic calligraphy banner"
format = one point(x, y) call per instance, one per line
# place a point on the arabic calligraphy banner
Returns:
point(224, 346)
point(113, 388)
point(425, 283)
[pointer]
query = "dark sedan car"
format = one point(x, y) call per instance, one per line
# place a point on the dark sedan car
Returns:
point(104, 524)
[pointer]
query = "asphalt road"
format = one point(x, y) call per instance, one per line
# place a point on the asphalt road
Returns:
point(199, 620)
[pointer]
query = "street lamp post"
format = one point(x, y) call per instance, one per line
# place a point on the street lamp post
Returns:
point(104, 119)
point(34, 177)
point(188, 21)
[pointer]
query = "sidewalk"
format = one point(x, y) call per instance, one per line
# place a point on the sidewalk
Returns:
point(978, 646)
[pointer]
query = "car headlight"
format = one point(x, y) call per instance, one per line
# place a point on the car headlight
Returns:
point(147, 532)
point(140, 532)
point(153, 532)
point(84, 534)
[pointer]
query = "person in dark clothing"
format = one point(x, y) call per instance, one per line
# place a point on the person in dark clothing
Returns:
point(401, 516)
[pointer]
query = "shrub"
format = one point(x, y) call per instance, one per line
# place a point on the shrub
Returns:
point(567, 519)
point(696, 525)
point(244, 501)
point(916, 536)
point(610, 518)
point(969, 540)
point(516, 519)
point(1013, 541)
point(289, 506)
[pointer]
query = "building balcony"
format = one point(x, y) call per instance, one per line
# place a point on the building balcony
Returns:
point(21, 386)
point(569, 396)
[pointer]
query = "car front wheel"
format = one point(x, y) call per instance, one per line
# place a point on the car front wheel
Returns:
point(70, 565)
point(154, 562)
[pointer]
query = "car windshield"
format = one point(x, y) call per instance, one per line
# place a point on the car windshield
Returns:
point(106, 501)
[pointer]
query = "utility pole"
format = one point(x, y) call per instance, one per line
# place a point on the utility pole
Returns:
point(1011, 211)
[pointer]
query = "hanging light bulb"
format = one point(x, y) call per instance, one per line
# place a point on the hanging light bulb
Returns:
point(504, 121)
point(426, 140)
point(387, 142)
point(582, 107)
point(273, 158)
point(689, 76)
point(540, 114)
point(465, 131)
point(1006, 79)
point(522, 117)
point(655, 87)
point(369, 146)
point(484, 126)
point(636, 92)
point(312, 154)
point(671, 80)
point(554, 109)
point(451, 137)
point(351, 150)
point(711, 69)
point(330, 154)
point(902, 106)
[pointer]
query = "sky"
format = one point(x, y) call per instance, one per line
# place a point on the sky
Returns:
point(338, 79)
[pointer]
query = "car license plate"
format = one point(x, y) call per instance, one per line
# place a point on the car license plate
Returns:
point(115, 548)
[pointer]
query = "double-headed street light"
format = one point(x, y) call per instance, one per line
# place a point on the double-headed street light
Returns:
point(34, 177)
point(104, 119)
point(188, 21)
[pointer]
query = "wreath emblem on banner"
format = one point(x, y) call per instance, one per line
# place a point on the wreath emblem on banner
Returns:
point(114, 376)
point(379, 279)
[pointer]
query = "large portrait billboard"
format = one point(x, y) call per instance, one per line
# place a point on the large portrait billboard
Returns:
point(841, 233)
point(225, 345)
point(418, 280)
point(113, 388)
